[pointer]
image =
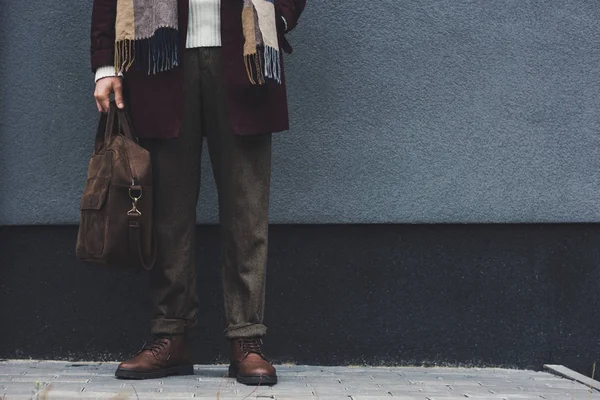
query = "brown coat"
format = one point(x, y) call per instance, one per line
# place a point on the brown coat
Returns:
point(156, 101)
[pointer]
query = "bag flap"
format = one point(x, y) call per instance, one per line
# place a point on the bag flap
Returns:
point(95, 193)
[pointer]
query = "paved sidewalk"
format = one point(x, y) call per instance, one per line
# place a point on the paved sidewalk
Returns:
point(63, 380)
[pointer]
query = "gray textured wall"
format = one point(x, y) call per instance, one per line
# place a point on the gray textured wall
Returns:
point(402, 111)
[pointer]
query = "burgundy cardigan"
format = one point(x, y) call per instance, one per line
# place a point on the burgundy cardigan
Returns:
point(155, 102)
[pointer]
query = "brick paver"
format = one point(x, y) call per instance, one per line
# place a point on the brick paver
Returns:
point(46, 380)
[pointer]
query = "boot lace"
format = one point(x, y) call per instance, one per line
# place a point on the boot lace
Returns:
point(156, 346)
point(251, 345)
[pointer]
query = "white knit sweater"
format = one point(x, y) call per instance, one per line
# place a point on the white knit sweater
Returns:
point(204, 29)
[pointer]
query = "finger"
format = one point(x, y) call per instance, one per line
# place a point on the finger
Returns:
point(118, 89)
point(102, 98)
point(98, 106)
point(104, 102)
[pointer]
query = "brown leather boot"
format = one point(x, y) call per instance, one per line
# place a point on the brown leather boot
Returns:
point(248, 363)
point(161, 357)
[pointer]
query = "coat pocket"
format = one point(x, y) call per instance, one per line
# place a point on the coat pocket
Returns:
point(92, 237)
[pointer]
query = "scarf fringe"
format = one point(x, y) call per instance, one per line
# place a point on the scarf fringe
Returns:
point(254, 68)
point(158, 53)
point(272, 64)
point(265, 63)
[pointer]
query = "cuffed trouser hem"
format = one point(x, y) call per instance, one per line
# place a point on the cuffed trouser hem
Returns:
point(169, 326)
point(245, 331)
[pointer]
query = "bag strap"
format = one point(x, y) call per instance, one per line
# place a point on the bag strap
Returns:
point(136, 256)
point(113, 123)
point(112, 126)
point(106, 127)
point(125, 124)
point(99, 141)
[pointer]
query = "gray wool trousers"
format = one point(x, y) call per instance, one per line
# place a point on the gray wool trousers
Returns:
point(242, 168)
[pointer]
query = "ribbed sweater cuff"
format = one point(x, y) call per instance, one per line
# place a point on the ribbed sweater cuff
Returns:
point(106, 71)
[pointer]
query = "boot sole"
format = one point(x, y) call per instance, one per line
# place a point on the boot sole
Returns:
point(253, 380)
point(131, 374)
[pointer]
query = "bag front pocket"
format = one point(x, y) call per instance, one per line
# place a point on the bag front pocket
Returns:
point(93, 225)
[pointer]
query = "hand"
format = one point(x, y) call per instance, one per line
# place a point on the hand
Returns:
point(106, 86)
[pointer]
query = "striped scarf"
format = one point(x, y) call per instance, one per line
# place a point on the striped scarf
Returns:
point(147, 35)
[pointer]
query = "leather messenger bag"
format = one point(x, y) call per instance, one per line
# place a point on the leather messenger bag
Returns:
point(115, 228)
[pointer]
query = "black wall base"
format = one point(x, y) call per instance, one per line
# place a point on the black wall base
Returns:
point(480, 295)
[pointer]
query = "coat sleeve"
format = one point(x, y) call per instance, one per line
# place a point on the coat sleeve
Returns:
point(291, 10)
point(104, 15)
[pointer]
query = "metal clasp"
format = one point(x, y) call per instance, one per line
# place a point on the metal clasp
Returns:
point(135, 197)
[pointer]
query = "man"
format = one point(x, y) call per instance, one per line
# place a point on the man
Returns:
point(189, 69)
